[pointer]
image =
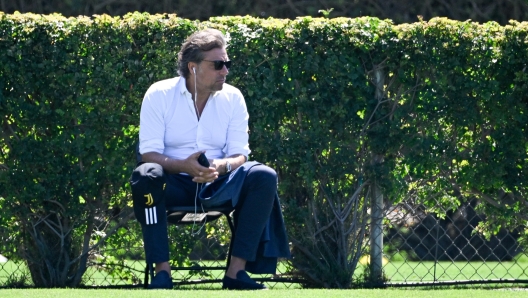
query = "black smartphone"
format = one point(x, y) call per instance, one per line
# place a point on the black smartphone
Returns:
point(202, 160)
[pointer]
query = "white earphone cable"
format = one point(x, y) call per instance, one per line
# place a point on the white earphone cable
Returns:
point(196, 212)
point(196, 194)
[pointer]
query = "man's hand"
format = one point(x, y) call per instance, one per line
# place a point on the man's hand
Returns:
point(201, 174)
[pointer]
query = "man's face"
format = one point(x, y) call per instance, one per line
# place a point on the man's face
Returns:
point(208, 79)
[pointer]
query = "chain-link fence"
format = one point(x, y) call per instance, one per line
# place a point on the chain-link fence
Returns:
point(422, 248)
point(419, 248)
point(198, 257)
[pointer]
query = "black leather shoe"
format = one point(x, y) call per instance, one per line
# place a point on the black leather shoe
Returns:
point(162, 280)
point(242, 282)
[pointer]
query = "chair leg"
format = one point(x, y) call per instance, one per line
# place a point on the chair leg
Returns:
point(146, 280)
point(231, 242)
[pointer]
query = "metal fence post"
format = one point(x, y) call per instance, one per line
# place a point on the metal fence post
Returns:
point(376, 205)
point(376, 234)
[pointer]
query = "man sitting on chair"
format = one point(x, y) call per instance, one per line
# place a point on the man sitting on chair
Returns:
point(181, 118)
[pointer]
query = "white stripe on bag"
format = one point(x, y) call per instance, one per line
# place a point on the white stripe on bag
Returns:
point(147, 216)
point(150, 216)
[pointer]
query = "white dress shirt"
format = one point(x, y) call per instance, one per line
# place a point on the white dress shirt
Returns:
point(169, 125)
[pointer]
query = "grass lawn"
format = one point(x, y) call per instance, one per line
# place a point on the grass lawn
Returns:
point(399, 271)
point(392, 293)
point(396, 271)
point(427, 271)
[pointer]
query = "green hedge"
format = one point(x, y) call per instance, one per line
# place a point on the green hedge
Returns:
point(434, 111)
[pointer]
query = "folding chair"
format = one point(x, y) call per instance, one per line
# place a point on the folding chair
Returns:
point(185, 215)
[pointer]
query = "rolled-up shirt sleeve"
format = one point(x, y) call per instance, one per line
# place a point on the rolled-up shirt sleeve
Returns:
point(237, 141)
point(151, 123)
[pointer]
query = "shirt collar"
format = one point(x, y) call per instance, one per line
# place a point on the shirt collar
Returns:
point(181, 87)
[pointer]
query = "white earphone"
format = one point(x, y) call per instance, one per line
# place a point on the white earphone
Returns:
point(194, 70)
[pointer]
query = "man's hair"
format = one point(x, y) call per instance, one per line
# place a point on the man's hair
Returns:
point(194, 46)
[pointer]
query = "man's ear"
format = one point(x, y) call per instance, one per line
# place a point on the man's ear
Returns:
point(192, 67)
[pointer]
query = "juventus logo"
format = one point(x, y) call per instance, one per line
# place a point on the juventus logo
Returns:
point(150, 200)
point(150, 216)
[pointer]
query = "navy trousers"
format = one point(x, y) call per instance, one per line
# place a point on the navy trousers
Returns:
point(251, 212)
